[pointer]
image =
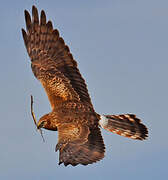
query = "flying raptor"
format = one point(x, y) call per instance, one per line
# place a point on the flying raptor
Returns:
point(72, 115)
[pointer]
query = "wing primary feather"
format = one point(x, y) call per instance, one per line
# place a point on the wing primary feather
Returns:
point(42, 18)
point(49, 26)
point(55, 34)
point(35, 20)
point(28, 21)
point(35, 15)
point(24, 36)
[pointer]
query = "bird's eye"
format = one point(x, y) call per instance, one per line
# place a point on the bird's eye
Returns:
point(41, 125)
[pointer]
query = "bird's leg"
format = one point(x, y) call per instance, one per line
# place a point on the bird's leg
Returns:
point(34, 118)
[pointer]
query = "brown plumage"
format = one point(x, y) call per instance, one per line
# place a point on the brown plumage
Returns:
point(73, 115)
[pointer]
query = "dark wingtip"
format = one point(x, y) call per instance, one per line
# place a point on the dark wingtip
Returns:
point(49, 26)
point(56, 32)
point(42, 18)
point(67, 163)
point(57, 148)
point(23, 31)
point(34, 7)
point(35, 14)
point(26, 13)
point(27, 19)
point(24, 36)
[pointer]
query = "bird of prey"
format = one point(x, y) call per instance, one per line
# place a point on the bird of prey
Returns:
point(72, 115)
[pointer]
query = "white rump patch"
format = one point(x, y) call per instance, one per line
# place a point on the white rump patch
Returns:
point(103, 122)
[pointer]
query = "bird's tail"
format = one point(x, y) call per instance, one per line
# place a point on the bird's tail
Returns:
point(127, 125)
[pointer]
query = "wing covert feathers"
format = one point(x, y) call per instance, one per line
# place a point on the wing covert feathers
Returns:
point(52, 62)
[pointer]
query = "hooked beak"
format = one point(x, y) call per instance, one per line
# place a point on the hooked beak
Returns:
point(40, 125)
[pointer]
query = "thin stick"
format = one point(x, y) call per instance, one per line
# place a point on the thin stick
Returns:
point(32, 113)
point(34, 118)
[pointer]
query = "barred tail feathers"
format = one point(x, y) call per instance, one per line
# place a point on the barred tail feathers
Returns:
point(127, 125)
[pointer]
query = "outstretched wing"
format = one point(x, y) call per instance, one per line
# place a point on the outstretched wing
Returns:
point(79, 144)
point(51, 61)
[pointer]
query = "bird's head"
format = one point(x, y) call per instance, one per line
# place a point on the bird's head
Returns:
point(41, 124)
point(46, 123)
point(43, 121)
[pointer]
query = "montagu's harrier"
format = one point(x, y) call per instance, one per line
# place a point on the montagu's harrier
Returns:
point(73, 115)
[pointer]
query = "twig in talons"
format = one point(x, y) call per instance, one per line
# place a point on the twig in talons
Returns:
point(34, 118)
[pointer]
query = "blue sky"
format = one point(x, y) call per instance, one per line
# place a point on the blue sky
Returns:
point(121, 47)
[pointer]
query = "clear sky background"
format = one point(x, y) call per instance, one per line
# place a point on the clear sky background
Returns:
point(121, 47)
